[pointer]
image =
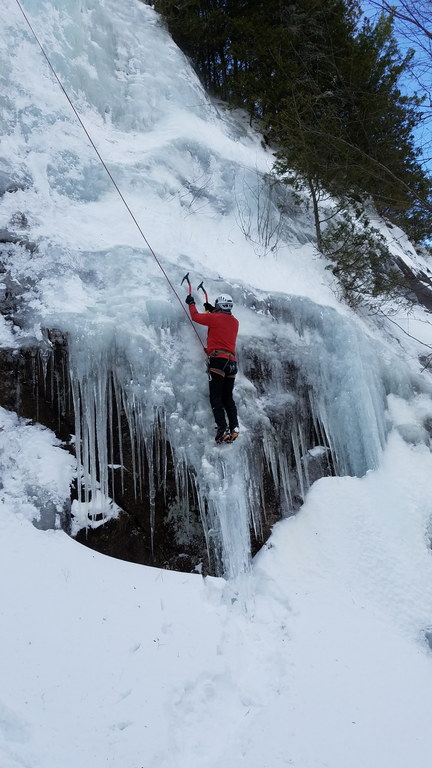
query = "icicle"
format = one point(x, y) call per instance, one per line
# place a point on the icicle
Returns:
point(303, 449)
point(35, 382)
point(298, 462)
point(285, 486)
point(111, 434)
point(150, 455)
point(43, 356)
point(117, 397)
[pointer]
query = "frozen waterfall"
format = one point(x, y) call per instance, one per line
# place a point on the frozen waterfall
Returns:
point(313, 382)
point(312, 394)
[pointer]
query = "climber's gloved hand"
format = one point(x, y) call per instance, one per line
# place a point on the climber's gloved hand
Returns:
point(208, 307)
point(190, 299)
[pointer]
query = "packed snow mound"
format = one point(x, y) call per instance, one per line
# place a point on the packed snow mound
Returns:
point(36, 474)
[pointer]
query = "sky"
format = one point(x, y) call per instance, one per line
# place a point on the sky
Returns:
point(410, 38)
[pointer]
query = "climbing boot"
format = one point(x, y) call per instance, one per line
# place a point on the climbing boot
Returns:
point(231, 435)
point(221, 434)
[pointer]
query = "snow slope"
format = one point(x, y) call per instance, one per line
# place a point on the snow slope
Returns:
point(315, 658)
point(317, 653)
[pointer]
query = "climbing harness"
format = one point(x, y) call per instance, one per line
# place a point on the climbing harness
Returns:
point(111, 177)
point(222, 353)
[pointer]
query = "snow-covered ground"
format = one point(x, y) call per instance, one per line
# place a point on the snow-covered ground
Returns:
point(316, 654)
point(317, 657)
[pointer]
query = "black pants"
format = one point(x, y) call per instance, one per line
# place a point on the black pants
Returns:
point(222, 373)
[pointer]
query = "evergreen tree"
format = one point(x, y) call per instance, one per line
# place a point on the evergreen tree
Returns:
point(349, 129)
point(323, 87)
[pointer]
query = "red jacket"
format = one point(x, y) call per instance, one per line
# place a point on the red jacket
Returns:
point(222, 330)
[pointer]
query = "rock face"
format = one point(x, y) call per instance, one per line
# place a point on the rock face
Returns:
point(418, 283)
point(34, 383)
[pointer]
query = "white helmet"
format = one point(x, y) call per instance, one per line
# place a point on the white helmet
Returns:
point(224, 303)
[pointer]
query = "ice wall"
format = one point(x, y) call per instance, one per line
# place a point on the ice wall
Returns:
point(313, 380)
point(312, 395)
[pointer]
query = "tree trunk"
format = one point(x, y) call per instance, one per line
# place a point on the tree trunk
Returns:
point(317, 221)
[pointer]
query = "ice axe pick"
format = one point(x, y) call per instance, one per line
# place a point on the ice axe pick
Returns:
point(203, 290)
point(186, 278)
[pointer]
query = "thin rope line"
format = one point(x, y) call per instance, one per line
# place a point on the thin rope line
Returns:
point(108, 171)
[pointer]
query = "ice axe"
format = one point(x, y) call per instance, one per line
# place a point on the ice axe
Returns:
point(186, 277)
point(204, 291)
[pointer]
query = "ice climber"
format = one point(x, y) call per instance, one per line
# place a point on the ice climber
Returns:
point(222, 364)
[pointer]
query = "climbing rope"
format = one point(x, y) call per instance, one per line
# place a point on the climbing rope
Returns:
point(111, 177)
